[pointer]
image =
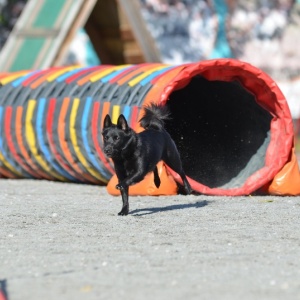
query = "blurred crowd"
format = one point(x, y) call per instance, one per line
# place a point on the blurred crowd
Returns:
point(188, 30)
point(265, 22)
point(10, 10)
point(183, 29)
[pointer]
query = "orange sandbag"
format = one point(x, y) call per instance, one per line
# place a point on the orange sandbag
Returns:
point(287, 181)
point(168, 185)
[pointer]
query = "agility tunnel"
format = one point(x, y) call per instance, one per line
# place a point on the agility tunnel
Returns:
point(229, 119)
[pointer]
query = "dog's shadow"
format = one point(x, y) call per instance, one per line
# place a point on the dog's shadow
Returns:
point(154, 210)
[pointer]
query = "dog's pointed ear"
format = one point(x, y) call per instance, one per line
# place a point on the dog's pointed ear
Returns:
point(122, 123)
point(107, 121)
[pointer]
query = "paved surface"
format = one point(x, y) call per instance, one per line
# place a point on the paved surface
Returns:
point(65, 241)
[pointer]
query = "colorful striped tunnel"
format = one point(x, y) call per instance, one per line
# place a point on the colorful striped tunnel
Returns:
point(230, 122)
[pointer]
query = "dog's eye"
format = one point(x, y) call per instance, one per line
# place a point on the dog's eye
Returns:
point(116, 138)
point(105, 137)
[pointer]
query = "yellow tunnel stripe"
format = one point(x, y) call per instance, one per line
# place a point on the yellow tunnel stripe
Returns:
point(31, 140)
point(73, 137)
point(9, 166)
point(115, 113)
point(9, 78)
point(136, 80)
point(106, 72)
point(56, 74)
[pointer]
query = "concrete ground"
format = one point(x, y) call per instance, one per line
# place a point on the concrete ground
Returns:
point(65, 241)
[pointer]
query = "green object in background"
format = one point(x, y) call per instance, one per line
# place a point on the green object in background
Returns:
point(39, 34)
point(30, 49)
point(48, 14)
point(45, 20)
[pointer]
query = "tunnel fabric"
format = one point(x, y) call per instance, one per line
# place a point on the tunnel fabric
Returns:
point(230, 121)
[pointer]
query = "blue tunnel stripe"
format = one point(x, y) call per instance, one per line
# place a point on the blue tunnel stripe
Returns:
point(68, 74)
point(84, 133)
point(20, 80)
point(153, 75)
point(126, 112)
point(113, 74)
point(40, 123)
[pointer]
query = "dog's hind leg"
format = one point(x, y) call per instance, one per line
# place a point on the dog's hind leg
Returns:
point(186, 184)
point(156, 177)
point(174, 162)
point(180, 172)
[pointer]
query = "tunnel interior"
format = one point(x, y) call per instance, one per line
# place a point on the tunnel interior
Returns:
point(220, 130)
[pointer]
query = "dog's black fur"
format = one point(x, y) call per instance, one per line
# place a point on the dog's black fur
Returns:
point(134, 155)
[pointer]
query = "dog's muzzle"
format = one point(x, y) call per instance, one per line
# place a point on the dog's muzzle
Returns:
point(108, 151)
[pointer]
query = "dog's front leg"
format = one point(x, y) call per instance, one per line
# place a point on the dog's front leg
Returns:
point(123, 188)
point(125, 208)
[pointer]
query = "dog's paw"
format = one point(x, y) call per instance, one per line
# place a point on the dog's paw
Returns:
point(188, 189)
point(124, 211)
point(184, 190)
point(120, 187)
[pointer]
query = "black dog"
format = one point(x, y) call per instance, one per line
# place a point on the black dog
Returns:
point(134, 155)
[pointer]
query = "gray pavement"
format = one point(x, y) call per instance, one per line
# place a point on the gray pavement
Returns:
point(65, 241)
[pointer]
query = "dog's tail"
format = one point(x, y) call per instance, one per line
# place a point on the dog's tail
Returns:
point(154, 116)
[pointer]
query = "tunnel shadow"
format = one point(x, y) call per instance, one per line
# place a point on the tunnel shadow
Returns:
point(154, 210)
